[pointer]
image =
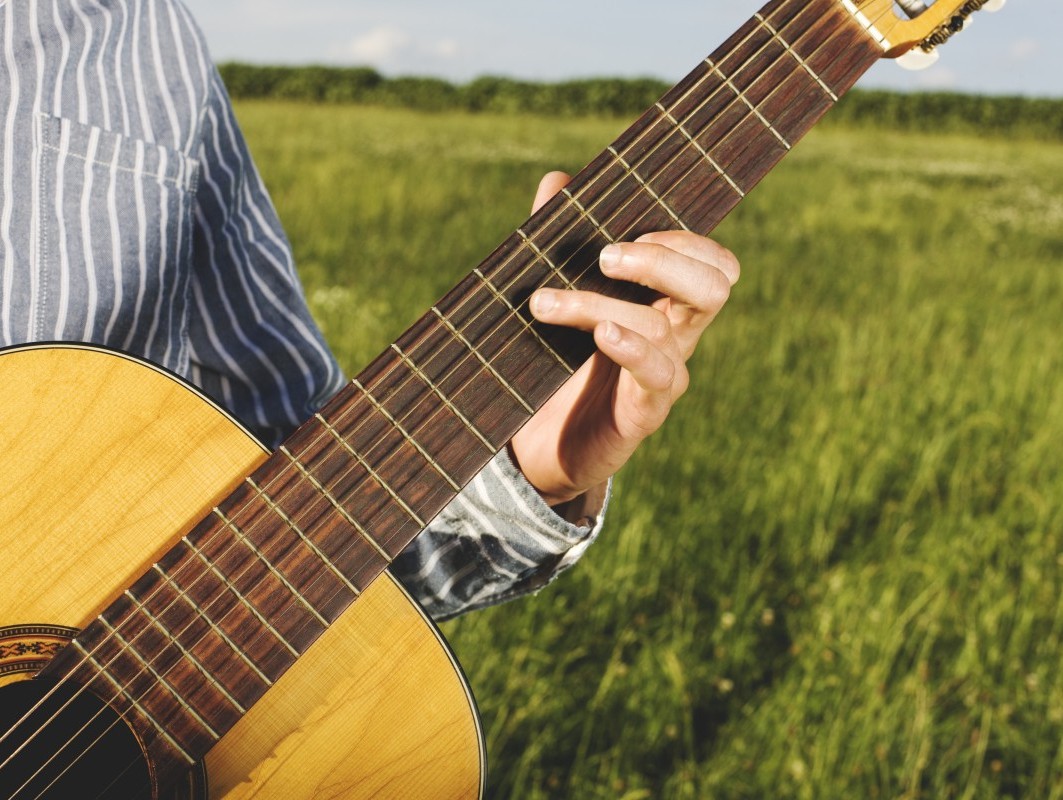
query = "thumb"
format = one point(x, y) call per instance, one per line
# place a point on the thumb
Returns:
point(551, 184)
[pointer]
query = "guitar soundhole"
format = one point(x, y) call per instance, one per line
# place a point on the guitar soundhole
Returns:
point(59, 742)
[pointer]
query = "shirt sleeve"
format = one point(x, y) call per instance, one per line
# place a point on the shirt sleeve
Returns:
point(496, 541)
point(253, 344)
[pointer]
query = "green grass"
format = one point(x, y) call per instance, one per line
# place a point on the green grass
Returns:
point(837, 571)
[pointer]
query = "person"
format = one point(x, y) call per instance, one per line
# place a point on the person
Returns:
point(132, 216)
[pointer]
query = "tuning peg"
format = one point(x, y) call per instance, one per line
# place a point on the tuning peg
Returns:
point(917, 58)
point(994, 5)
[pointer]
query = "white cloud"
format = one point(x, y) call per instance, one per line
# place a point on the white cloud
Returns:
point(390, 46)
point(938, 77)
point(1023, 49)
point(379, 44)
point(446, 48)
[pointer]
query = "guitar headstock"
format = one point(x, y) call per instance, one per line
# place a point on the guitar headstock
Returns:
point(910, 30)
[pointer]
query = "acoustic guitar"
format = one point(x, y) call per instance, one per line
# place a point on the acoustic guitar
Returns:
point(189, 616)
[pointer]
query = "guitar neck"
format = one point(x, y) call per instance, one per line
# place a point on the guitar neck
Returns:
point(238, 599)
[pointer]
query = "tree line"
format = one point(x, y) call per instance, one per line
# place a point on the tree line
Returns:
point(625, 97)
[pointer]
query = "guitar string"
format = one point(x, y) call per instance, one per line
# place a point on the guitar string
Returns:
point(429, 383)
point(407, 377)
point(641, 135)
point(643, 132)
point(326, 436)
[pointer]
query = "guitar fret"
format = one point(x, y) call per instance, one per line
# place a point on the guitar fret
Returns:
point(487, 364)
point(529, 328)
point(446, 402)
point(288, 521)
point(631, 171)
point(559, 219)
point(751, 106)
point(587, 215)
point(545, 259)
point(336, 503)
point(213, 626)
point(606, 190)
point(160, 680)
point(232, 586)
point(368, 467)
point(100, 670)
point(797, 57)
point(269, 565)
point(704, 153)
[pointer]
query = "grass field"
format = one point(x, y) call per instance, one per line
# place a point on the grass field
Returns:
point(837, 572)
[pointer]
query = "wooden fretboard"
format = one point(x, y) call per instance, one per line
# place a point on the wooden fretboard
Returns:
point(205, 633)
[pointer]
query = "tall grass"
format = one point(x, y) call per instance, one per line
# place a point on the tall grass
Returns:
point(837, 571)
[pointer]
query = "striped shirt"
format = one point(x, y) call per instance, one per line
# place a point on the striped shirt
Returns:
point(132, 216)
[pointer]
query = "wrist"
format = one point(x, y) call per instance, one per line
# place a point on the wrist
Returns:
point(555, 495)
point(584, 509)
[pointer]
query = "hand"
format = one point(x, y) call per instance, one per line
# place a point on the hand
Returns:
point(624, 392)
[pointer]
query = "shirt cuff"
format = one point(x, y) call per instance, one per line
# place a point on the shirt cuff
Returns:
point(579, 521)
point(497, 540)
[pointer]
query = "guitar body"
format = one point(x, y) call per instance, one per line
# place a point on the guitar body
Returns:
point(108, 461)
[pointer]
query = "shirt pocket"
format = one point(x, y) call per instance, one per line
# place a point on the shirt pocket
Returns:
point(115, 220)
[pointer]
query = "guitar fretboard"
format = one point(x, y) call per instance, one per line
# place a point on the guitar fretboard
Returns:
point(205, 633)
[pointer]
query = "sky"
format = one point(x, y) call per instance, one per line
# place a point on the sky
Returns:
point(1016, 50)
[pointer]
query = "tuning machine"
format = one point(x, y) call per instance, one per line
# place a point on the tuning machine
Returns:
point(924, 54)
point(917, 59)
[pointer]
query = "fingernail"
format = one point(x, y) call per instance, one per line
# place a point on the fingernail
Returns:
point(610, 257)
point(611, 332)
point(543, 301)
